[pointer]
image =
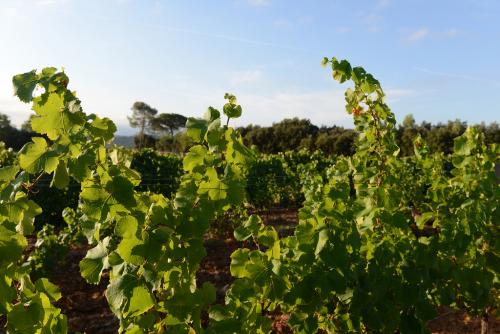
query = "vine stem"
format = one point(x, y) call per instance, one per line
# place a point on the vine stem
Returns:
point(35, 182)
point(485, 323)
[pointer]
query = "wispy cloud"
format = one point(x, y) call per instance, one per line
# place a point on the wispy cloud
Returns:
point(343, 30)
point(245, 77)
point(417, 35)
point(394, 95)
point(458, 76)
point(424, 33)
point(50, 2)
point(225, 37)
point(383, 3)
point(324, 107)
point(372, 22)
point(305, 19)
point(291, 23)
point(282, 24)
point(259, 3)
point(450, 33)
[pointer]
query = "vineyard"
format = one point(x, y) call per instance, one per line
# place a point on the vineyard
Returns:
point(380, 244)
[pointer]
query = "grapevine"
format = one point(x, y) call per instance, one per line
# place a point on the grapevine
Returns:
point(382, 240)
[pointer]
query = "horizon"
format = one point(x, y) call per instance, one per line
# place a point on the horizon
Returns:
point(434, 60)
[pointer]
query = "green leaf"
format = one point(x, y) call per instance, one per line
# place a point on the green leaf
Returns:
point(35, 157)
point(8, 173)
point(127, 295)
point(12, 245)
point(194, 158)
point(122, 190)
point(196, 129)
point(24, 85)
point(22, 212)
point(48, 288)
point(236, 151)
point(211, 114)
point(54, 117)
point(322, 240)
point(79, 168)
point(239, 260)
point(126, 228)
point(207, 293)
point(95, 262)
point(103, 127)
point(61, 178)
point(216, 188)
point(231, 109)
point(462, 146)
point(341, 70)
point(140, 301)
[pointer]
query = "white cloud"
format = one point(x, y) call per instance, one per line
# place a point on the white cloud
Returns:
point(259, 3)
point(321, 107)
point(417, 35)
point(245, 77)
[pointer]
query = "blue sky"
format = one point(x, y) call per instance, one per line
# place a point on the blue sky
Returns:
point(437, 60)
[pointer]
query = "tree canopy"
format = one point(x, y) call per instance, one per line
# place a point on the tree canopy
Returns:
point(142, 115)
point(168, 123)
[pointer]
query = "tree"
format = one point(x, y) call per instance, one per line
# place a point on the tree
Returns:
point(4, 121)
point(11, 136)
point(142, 115)
point(409, 121)
point(406, 133)
point(168, 122)
point(26, 126)
point(144, 141)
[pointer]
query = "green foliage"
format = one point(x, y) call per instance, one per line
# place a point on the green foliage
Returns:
point(47, 253)
point(231, 109)
point(381, 241)
point(144, 141)
point(296, 134)
point(168, 123)
point(276, 179)
point(151, 245)
point(160, 173)
point(7, 156)
point(28, 307)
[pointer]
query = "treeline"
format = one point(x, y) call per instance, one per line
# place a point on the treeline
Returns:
point(13, 137)
point(296, 134)
point(165, 133)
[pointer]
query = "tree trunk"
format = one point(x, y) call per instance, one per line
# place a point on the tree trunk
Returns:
point(143, 126)
point(174, 149)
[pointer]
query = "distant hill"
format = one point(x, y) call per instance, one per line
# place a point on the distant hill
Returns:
point(125, 141)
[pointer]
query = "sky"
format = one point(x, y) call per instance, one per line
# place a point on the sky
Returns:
point(437, 60)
